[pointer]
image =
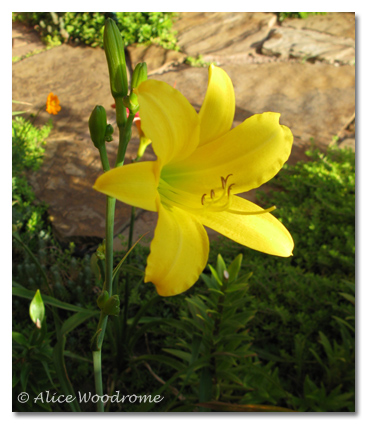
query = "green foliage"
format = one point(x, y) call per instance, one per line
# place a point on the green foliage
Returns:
point(299, 15)
point(27, 153)
point(87, 27)
point(33, 369)
point(196, 62)
point(305, 310)
point(317, 205)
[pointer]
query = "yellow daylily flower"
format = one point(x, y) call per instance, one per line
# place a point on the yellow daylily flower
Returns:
point(202, 164)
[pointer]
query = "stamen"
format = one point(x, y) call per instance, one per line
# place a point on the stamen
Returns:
point(220, 199)
point(229, 188)
point(224, 181)
point(254, 212)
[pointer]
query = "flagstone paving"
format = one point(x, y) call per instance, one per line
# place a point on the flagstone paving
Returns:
point(313, 87)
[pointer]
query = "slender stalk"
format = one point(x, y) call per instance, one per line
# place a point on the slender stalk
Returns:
point(98, 378)
point(125, 131)
point(104, 159)
point(131, 229)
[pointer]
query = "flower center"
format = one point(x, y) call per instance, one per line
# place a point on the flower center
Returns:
point(218, 199)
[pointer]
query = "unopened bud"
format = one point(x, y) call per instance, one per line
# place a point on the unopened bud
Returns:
point(112, 306)
point(108, 133)
point(97, 126)
point(102, 299)
point(114, 50)
point(139, 74)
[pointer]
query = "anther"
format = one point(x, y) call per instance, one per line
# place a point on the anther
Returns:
point(202, 200)
point(229, 188)
point(212, 193)
point(224, 181)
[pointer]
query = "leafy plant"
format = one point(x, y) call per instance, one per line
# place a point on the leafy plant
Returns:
point(87, 27)
point(299, 15)
point(27, 154)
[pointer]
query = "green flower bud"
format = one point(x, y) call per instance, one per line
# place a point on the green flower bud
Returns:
point(97, 126)
point(112, 306)
point(114, 50)
point(139, 74)
point(102, 299)
point(37, 309)
point(108, 133)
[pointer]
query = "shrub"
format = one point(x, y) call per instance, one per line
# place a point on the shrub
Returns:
point(305, 304)
point(87, 27)
point(27, 154)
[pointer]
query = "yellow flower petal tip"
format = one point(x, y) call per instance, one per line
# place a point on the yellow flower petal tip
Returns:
point(52, 104)
point(202, 164)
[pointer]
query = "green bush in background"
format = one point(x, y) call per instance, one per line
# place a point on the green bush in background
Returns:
point(305, 304)
point(87, 27)
point(27, 154)
point(298, 15)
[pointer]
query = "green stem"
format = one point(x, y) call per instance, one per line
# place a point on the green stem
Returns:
point(110, 215)
point(131, 229)
point(98, 378)
point(125, 133)
point(104, 158)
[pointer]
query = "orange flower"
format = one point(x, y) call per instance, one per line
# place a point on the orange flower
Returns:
point(52, 104)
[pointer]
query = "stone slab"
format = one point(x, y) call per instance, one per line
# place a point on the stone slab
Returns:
point(155, 56)
point(305, 44)
point(223, 33)
point(25, 40)
point(340, 24)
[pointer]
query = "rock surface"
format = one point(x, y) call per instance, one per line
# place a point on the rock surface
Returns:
point(309, 45)
point(316, 100)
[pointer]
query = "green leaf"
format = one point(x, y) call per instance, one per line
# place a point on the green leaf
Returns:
point(37, 309)
point(220, 267)
point(24, 375)
point(215, 275)
point(125, 256)
point(349, 297)
point(205, 386)
point(234, 268)
point(20, 339)
point(178, 353)
point(60, 367)
point(219, 406)
point(344, 322)
point(76, 320)
point(34, 259)
point(161, 359)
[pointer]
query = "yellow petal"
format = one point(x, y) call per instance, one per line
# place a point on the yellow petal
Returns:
point(262, 232)
point(179, 252)
point(253, 153)
point(135, 184)
point(168, 119)
point(217, 112)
